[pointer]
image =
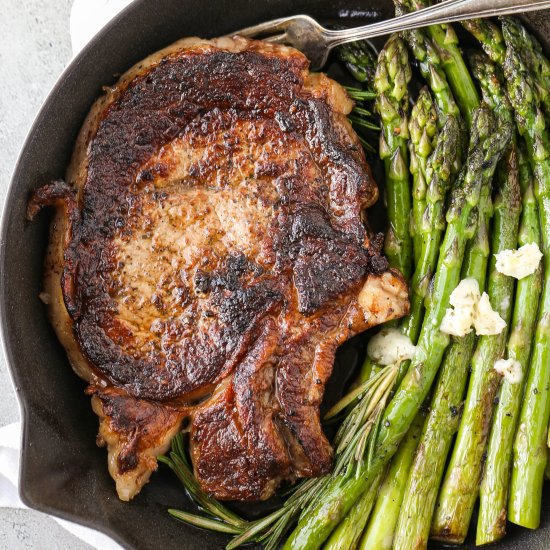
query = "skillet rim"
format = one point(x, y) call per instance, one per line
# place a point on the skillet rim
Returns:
point(75, 66)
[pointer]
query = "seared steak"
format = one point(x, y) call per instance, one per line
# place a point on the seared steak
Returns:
point(208, 255)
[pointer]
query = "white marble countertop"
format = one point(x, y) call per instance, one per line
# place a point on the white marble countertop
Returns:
point(34, 48)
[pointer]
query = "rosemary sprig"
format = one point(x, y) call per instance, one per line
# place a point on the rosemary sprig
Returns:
point(353, 450)
point(361, 111)
point(204, 522)
point(366, 145)
point(362, 119)
point(358, 94)
point(178, 463)
point(359, 121)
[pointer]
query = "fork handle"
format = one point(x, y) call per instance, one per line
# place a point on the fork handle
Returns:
point(448, 11)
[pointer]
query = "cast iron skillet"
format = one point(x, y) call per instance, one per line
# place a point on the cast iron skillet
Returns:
point(62, 471)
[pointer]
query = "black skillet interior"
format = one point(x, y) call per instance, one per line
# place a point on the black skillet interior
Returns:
point(63, 472)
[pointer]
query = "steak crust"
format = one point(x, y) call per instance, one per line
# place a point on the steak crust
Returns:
point(208, 255)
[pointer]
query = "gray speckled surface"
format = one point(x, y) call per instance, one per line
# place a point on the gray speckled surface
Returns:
point(27, 529)
point(34, 49)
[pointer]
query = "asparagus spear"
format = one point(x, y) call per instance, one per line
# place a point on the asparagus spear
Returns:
point(493, 491)
point(359, 59)
point(349, 530)
point(537, 64)
point(491, 524)
point(488, 141)
point(423, 134)
point(541, 67)
point(445, 40)
point(381, 526)
point(461, 483)
point(491, 80)
point(530, 451)
point(431, 67)
point(393, 74)
point(422, 486)
point(531, 55)
point(490, 37)
point(439, 175)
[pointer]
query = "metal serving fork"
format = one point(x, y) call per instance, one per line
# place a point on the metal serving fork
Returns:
point(305, 34)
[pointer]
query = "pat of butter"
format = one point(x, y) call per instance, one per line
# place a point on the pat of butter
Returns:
point(470, 309)
point(487, 321)
point(519, 263)
point(459, 319)
point(510, 369)
point(390, 346)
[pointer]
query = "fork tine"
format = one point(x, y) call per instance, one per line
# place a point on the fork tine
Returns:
point(277, 39)
point(265, 28)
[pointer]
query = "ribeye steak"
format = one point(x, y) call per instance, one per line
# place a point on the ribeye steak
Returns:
point(208, 255)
